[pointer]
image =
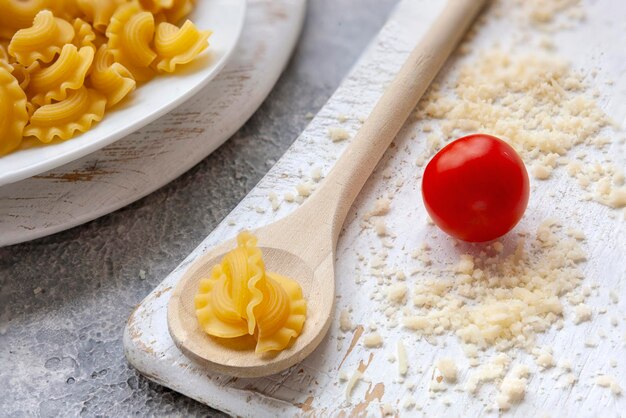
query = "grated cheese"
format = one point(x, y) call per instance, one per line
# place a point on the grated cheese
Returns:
point(566, 365)
point(373, 340)
point(289, 197)
point(380, 227)
point(396, 293)
point(495, 369)
point(607, 381)
point(403, 365)
point(544, 359)
point(345, 323)
point(381, 207)
point(514, 297)
point(513, 387)
point(541, 172)
point(273, 198)
point(466, 265)
point(387, 410)
point(582, 313)
point(409, 402)
point(337, 134)
point(448, 369)
point(304, 189)
point(498, 247)
point(316, 174)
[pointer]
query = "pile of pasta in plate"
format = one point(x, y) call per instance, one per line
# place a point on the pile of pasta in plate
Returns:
point(63, 63)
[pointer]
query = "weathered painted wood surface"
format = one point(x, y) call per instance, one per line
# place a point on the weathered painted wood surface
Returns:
point(314, 387)
point(155, 155)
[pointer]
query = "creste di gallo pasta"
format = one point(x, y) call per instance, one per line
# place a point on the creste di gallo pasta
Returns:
point(67, 73)
point(240, 299)
point(13, 115)
point(63, 119)
point(130, 33)
point(42, 41)
point(64, 62)
point(176, 46)
point(111, 78)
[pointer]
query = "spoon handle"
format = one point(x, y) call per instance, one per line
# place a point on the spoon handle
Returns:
point(332, 201)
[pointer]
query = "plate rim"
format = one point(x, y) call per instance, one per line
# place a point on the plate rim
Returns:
point(267, 75)
point(43, 166)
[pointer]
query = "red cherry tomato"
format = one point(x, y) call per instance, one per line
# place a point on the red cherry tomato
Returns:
point(476, 188)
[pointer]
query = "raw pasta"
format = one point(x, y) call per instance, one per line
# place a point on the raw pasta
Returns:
point(99, 12)
point(67, 73)
point(172, 10)
point(177, 9)
point(111, 78)
point(4, 59)
point(155, 6)
point(84, 34)
point(62, 119)
point(176, 46)
point(130, 34)
point(22, 74)
point(17, 15)
point(13, 115)
point(241, 298)
point(63, 62)
point(42, 41)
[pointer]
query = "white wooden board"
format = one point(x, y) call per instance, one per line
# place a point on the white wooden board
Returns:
point(313, 387)
point(142, 162)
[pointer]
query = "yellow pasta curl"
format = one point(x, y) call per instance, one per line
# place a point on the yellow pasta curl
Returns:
point(5, 60)
point(130, 34)
point(99, 12)
point(111, 78)
point(63, 119)
point(30, 109)
point(176, 46)
point(84, 34)
point(23, 74)
point(15, 15)
point(65, 9)
point(155, 6)
point(13, 115)
point(241, 298)
point(42, 41)
point(281, 315)
point(178, 10)
point(66, 73)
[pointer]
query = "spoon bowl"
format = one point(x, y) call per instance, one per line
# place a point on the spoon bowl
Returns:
point(236, 357)
point(302, 245)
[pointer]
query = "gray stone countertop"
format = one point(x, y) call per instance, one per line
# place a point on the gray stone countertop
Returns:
point(64, 300)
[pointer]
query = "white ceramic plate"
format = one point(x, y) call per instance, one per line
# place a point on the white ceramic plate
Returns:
point(150, 101)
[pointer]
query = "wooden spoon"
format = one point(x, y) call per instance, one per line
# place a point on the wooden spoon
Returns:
point(302, 245)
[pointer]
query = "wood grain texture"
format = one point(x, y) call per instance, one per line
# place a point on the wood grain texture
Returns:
point(155, 155)
point(313, 387)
